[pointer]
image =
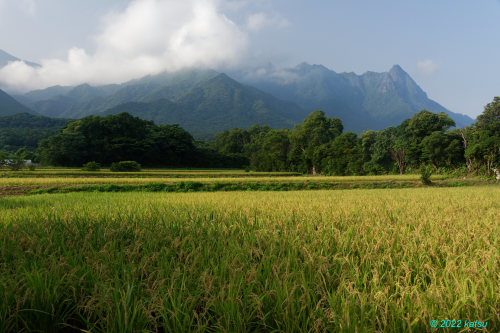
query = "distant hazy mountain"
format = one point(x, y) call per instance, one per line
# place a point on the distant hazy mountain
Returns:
point(42, 95)
point(83, 100)
point(5, 58)
point(9, 106)
point(368, 101)
point(205, 102)
point(215, 105)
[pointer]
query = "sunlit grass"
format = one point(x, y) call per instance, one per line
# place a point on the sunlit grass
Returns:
point(151, 179)
point(143, 173)
point(365, 260)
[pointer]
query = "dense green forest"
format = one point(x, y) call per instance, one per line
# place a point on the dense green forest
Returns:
point(318, 145)
point(123, 137)
point(24, 130)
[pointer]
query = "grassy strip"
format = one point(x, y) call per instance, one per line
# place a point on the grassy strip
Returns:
point(191, 186)
point(144, 174)
point(67, 181)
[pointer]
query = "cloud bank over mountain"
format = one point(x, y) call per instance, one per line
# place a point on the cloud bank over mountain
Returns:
point(148, 37)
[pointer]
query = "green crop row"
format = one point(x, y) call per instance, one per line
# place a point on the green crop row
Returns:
point(112, 179)
point(193, 186)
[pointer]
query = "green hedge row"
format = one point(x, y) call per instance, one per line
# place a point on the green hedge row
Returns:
point(189, 186)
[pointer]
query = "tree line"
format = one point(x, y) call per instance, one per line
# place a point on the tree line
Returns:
point(25, 130)
point(318, 145)
point(123, 137)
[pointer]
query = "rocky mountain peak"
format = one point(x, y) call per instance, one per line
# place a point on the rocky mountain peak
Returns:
point(397, 73)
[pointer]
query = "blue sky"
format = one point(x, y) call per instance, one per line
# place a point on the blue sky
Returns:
point(450, 47)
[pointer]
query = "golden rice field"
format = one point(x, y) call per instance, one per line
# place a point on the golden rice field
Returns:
point(166, 180)
point(148, 173)
point(116, 179)
point(385, 260)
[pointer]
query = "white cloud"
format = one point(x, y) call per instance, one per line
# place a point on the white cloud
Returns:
point(426, 67)
point(272, 74)
point(259, 21)
point(150, 36)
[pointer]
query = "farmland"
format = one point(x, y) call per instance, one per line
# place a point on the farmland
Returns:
point(338, 260)
point(154, 180)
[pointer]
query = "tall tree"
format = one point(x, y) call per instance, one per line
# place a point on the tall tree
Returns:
point(412, 132)
point(485, 143)
point(425, 123)
point(381, 157)
point(273, 155)
point(233, 141)
point(341, 157)
point(314, 131)
point(466, 134)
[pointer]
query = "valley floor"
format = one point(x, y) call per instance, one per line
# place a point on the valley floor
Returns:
point(168, 180)
point(346, 260)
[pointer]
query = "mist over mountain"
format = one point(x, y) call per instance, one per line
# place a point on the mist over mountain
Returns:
point(83, 100)
point(205, 102)
point(368, 101)
point(5, 58)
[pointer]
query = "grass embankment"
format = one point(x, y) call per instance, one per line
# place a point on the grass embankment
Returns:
point(366, 260)
point(146, 173)
point(206, 181)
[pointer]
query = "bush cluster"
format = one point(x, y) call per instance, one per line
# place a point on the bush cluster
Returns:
point(426, 172)
point(124, 166)
point(91, 166)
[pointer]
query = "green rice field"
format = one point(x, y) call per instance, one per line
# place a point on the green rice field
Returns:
point(363, 260)
point(158, 180)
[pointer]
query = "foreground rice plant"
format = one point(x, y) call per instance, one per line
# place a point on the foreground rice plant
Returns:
point(365, 260)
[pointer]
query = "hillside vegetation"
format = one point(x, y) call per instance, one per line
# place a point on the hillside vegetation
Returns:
point(276, 98)
point(24, 130)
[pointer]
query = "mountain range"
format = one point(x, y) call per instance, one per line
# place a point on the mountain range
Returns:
point(5, 58)
point(368, 101)
point(10, 106)
point(203, 102)
point(206, 102)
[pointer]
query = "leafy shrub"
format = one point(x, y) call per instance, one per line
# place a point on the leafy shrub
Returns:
point(155, 187)
point(31, 167)
point(372, 168)
point(124, 166)
point(215, 186)
point(189, 186)
point(426, 173)
point(460, 172)
point(15, 162)
point(111, 188)
point(91, 166)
